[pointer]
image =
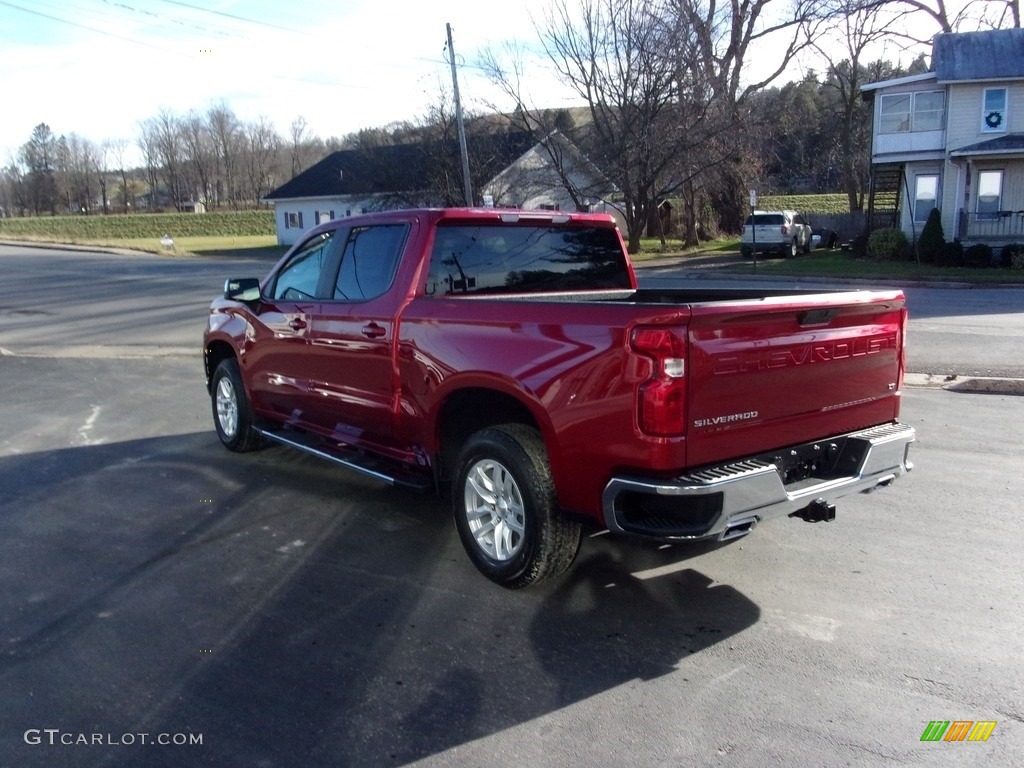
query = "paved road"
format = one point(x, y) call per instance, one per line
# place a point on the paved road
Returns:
point(290, 613)
point(128, 304)
point(953, 330)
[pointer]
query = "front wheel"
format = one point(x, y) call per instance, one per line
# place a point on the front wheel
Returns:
point(505, 508)
point(232, 414)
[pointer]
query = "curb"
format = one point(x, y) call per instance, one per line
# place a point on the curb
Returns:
point(977, 385)
point(103, 352)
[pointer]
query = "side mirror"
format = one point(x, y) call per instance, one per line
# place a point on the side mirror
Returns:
point(242, 289)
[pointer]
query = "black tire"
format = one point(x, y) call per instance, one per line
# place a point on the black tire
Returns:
point(807, 246)
point(746, 252)
point(232, 414)
point(516, 535)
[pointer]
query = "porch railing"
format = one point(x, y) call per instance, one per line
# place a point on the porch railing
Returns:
point(997, 225)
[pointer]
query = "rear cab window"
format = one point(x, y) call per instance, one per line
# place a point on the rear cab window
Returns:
point(766, 219)
point(493, 258)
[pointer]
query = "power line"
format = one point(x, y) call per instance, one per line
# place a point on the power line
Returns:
point(234, 16)
point(94, 29)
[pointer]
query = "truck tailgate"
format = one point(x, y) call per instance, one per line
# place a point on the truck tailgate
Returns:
point(784, 370)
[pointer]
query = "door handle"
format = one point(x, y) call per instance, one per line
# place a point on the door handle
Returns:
point(373, 331)
point(296, 323)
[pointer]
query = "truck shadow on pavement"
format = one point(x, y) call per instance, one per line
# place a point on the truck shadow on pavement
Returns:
point(293, 614)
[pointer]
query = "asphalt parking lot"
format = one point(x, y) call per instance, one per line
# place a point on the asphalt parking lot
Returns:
point(269, 610)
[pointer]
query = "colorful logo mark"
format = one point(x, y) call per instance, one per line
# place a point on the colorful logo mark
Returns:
point(958, 730)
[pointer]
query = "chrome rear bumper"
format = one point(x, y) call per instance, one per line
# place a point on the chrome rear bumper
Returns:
point(728, 500)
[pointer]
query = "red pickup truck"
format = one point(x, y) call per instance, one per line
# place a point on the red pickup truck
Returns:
point(509, 361)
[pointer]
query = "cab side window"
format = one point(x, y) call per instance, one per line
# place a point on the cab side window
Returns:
point(299, 278)
point(369, 261)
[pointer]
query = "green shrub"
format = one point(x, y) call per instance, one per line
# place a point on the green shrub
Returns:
point(978, 256)
point(951, 255)
point(1009, 254)
point(1017, 262)
point(886, 244)
point(932, 237)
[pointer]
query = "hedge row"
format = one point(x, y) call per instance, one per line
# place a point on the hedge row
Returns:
point(139, 225)
point(892, 245)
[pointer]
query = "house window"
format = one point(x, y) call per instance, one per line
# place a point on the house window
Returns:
point(895, 113)
point(905, 112)
point(293, 220)
point(993, 111)
point(324, 216)
point(990, 192)
point(929, 111)
point(926, 196)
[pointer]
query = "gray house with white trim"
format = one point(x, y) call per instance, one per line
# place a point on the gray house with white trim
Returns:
point(953, 139)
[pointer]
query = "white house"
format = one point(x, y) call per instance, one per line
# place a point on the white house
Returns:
point(350, 182)
point(541, 178)
point(953, 139)
point(511, 169)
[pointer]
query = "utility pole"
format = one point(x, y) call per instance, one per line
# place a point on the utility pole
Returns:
point(467, 185)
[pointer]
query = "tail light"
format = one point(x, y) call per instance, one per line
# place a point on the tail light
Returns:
point(904, 320)
point(661, 399)
point(785, 229)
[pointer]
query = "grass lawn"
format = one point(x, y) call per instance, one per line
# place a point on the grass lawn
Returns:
point(826, 263)
point(650, 248)
point(224, 245)
point(837, 263)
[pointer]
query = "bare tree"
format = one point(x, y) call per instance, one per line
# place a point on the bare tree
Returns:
point(994, 14)
point(299, 136)
point(632, 66)
point(724, 36)
point(148, 142)
point(200, 153)
point(226, 132)
point(550, 129)
point(260, 157)
point(162, 143)
point(852, 29)
point(12, 189)
point(103, 156)
point(117, 149)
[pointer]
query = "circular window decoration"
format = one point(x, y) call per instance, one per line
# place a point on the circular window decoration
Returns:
point(994, 119)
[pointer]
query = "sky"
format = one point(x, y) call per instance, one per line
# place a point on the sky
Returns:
point(97, 68)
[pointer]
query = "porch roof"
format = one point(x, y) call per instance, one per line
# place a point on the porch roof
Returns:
point(1010, 144)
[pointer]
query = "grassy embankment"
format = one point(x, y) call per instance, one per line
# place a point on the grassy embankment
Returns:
point(252, 232)
point(193, 234)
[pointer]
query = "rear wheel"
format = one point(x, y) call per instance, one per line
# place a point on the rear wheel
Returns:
point(807, 246)
point(505, 508)
point(746, 251)
point(232, 414)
